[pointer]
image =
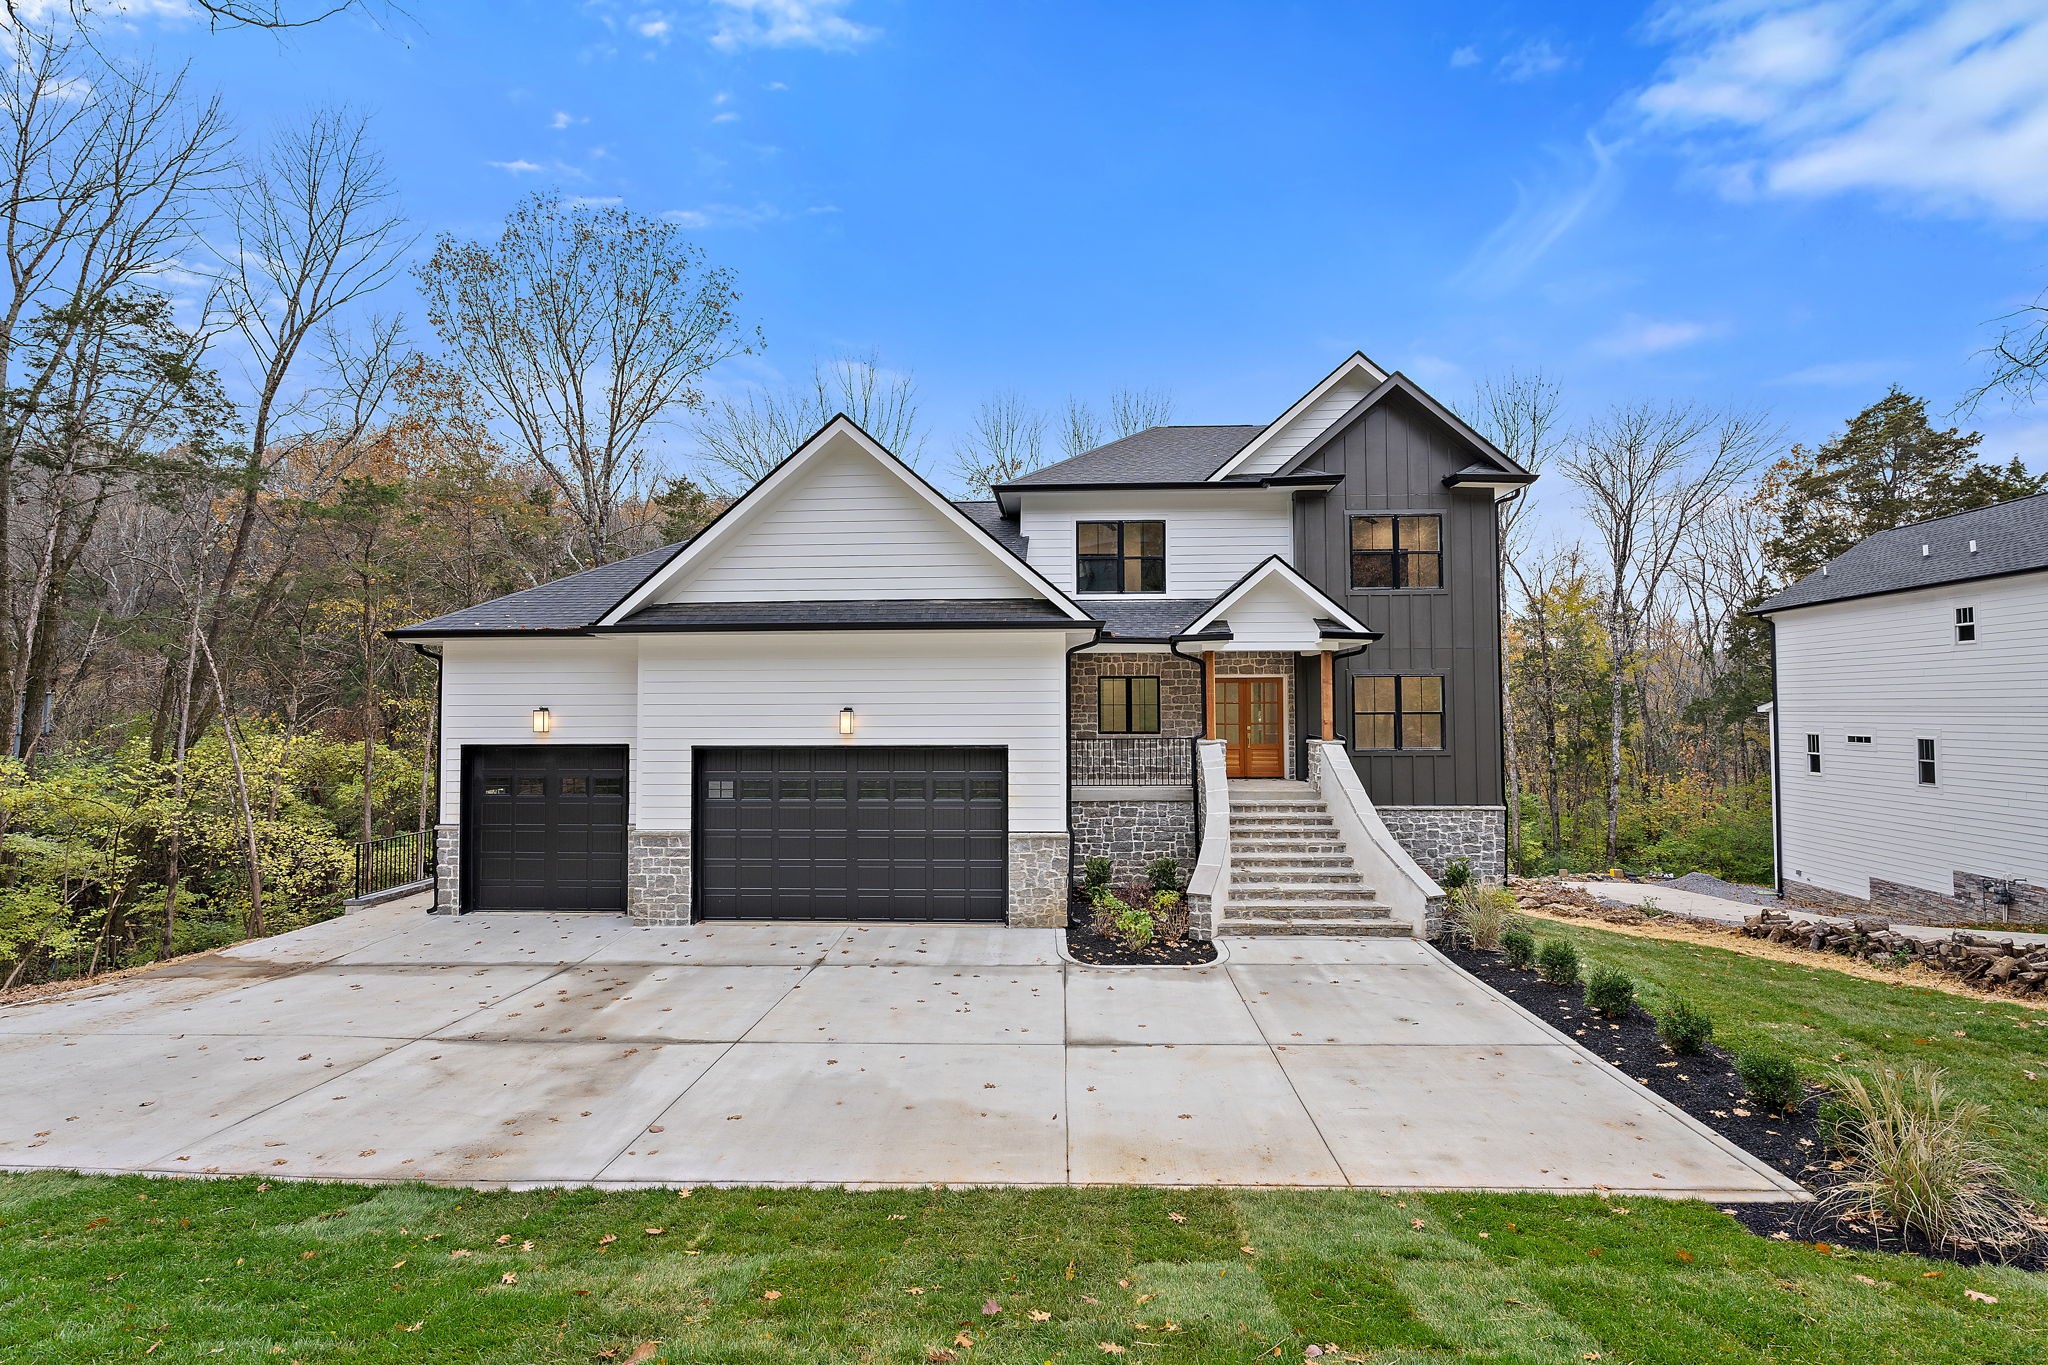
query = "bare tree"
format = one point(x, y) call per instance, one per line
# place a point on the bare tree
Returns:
point(585, 328)
point(220, 14)
point(2018, 360)
point(1518, 413)
point(1133, 410)
point(1080, 428)
point(740, 438)
point(1649, 474)
point(1007, 440)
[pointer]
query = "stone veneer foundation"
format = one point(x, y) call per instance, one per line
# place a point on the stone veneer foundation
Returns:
point(1038, 880)
point(1969, 903)
point(1131, 834)
point(658, 876)
point(1435, 835)
point(447, 870)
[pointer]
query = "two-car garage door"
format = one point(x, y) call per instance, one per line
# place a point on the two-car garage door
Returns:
point(855, 833)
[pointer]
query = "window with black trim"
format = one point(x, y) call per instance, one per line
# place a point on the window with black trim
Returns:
point(1924, 759)
point(1127, 706)
point(1966, 625)
point(1397, 712)
point(1120, 556)
point(1859, 739)
point(1391, 552)
point(1813, 753)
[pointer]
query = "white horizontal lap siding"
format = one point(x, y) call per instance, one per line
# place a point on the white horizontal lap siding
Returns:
point(946, 687)
point(1284, 444)
point(845, 530)
point(489, 689)
point(1212, 539)
point(1272, 616)
point(1888, 667)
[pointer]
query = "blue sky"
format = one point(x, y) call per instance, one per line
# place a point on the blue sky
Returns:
point(1776, 204)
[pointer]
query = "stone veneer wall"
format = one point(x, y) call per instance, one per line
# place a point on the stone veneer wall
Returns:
point(1038, 880)
point(1132, 834)
point(1969, 903)
point(658, 876)
point(447, 870)
point(1434, 835)
point(1180, 692)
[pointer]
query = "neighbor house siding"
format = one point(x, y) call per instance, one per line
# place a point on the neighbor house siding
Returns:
point(489, 689)
point(1212, 539)
point(906, 688)
point(1394, 459)
point(1284, 444)
point(1889, 667)
point(846, 530)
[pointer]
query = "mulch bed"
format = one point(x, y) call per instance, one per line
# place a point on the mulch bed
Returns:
point(1169, 948)
point(1706, 1087)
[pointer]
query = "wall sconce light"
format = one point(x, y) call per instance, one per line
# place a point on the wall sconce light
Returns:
point(542, 721)
point(846, 720)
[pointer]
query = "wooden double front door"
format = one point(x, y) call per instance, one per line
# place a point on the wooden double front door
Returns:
point(1252, 724)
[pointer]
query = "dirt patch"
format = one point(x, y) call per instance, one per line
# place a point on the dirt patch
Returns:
point(1705, 1086)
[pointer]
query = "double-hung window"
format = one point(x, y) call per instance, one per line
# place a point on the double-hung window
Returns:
point(1813, 753)
point(1120, 556)
point(1966, 625)
point(1128, 706)
point(1924, 761)
point(1397, 552)
point(1397, 713)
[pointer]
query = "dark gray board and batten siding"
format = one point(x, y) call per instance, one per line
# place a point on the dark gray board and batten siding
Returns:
point(1393, 459)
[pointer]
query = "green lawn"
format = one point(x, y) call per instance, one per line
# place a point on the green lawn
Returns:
point(99, 1269)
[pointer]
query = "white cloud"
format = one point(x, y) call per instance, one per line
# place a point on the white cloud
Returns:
point(564, 119)
point(516, 167)
point(1940, 106)
point(1543, 214)
point(1650, 336)
point(740, 216)
point(1465, 56)
point(787, 23)
point(1843, 374)
point(1533, 58)
point(653, 24)
point(727, 117)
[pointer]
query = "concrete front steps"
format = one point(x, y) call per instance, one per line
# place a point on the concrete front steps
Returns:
point(1289, 872)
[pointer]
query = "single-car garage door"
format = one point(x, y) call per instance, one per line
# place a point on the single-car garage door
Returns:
point(852, 833)
point(544, 827)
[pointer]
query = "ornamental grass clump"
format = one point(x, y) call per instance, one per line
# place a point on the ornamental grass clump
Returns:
point(1685, 1027)
point(1610, 992)
point(1771, 1077)
point(1483, 912)
point(1518, 946)
point(1558, 962)
point(1914, 1158)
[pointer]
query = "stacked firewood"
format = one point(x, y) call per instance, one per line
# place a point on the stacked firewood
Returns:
point(1996, 964)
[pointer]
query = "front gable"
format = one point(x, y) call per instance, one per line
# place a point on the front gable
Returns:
point(1274, 607)
point(842, 520)
point(1307, 419)
point(1415, 428)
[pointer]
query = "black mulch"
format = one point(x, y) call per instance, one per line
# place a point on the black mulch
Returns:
point(1170, 948)
point(1706, 1086)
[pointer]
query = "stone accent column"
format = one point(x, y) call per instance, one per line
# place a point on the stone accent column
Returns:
point(447, 869)
point(1038, 880)
point(658, 876)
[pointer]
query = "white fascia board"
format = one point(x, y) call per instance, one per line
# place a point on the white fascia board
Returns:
point(761, 495)
point(1353, 363)
point(1275, 567)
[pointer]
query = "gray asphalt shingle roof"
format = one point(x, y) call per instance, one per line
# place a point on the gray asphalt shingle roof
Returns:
point(1146, 618)
point(2011, 537)
point(1154, 455)
point(1019, 611)
point(571, 603)
point(990, 518)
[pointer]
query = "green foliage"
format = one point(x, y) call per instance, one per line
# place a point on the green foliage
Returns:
point(1165, 902)
point(1771, 1077)
point(1610, 992)
point(1104, 907)
point(1518, 946)
point(1557, 962)
point(1457, 874)
point(1095, 874)
point(1685, 1027)
point(1164, 874)
point(1483, 911)
point(1686, 824)
point(1134, 926)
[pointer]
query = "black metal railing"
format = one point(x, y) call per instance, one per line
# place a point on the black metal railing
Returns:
point(1132, 761)
point(395, 860)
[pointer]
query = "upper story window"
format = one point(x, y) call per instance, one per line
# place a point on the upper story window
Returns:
point(1397, 552)
point(1120, 556)
point(1966, 625)
point(1127, 706)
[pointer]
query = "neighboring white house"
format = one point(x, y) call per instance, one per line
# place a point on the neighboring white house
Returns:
point(1910, 721)
point(850, 698)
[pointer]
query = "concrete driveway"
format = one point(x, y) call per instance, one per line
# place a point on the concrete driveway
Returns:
point(510, 1049)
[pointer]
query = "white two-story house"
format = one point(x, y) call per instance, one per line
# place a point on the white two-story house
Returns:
point(852, 698)
point(1910, 722)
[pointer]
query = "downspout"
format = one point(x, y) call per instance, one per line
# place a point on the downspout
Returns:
point(440, 742)
point(1194, 749)
point(1338, 656)
point(1777, 749)
point(1067, 742)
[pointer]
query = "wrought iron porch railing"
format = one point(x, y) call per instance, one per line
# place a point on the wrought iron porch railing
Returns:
point(395, 860)
point(1137, 760)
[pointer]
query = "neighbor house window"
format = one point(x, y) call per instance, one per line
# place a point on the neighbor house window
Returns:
point(1397, 713)
point(1397, 552)
point(1813, 753)
point(1926, 761)
point(1120, 556)
point(1966, 625)
point(1128, 706)
point(1859, 739)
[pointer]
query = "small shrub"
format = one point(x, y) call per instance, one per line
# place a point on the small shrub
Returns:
point(1518, 946)
point(1457, 873)
point(1771, 1077)
point(1164, 874)
point(1165, 902)
point(1095, 875)
point(1914, 1158)
point(1610, 992)
point(1483, 911)
point(1648, 905)
point(1105, 906)
point(1685, 1027)
point(1558, 962)
point(1134, 926)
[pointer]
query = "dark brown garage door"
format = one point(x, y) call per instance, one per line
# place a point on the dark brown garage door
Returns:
point(852, 833)
point(544, 828)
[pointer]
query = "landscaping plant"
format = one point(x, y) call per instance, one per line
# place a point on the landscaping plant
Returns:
point(1915, 1158)
point(1483, 911)
point(1134, 926)
point(1164, 874)
point(1105, 906)
point(1095, 874)
point(1457, 872)
point(1558, 962)
point(1771, 1077)
point(1685, 1027)
point(1610, 992)
point(1518, 946)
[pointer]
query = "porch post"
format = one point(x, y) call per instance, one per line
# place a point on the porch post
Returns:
point(1329, 695)
point(1208, 694)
